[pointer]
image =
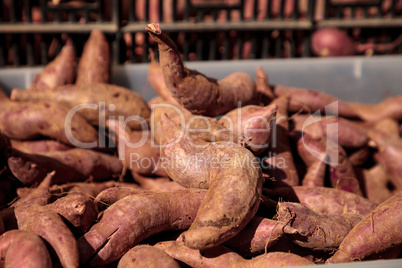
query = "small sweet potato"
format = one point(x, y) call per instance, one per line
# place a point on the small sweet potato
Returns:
point(258, 235)
point(95, 102)
point(279, 157)
point(221, 256)
point(134, 218)
point(72, 165)
point(29, 120)
point(147, 256)
point(253, 123)
point(111, 195)
point(389, 108)
point(50, 226)
point(58, 72)
point(324, 199)
point(79, 210)
point(375, 182)
point(216, 97)
point(231, 174)
point(262, 86)
point(37, 146)
point(94, 64)
point(23, 249)
point(319, 231)
point(377, 232)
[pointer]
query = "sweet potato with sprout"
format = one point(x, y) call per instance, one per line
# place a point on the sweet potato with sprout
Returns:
point(222, 256)
point(280, 159)
point(324, 199)
point(136, 149)
point(94, 64)
point(58, 72)
point(253, 123)
point(147, 256)
point(72, 165)
point(95, 102)
point(79, 210)
point(134, 218)
point(389, 108)
point(231, 174)
point(155, 78)
point(259, 234)
point(29, 120)
point(23, 249)
point(50, 226)
point(377, 232)
point(36, 146)
point(196, 92)
point(37, 196)
point(319, 231)
point(316, 101)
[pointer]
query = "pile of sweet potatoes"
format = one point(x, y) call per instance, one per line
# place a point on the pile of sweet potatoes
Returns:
point(212, 173)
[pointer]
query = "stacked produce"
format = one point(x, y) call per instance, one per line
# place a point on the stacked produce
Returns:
point(211, 173)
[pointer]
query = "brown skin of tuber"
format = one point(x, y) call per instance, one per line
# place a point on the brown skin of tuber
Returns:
point(196, 92)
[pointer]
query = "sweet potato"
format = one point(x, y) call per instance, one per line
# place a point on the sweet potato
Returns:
point(377, 232)
point(147, 256)
point(319, 231)
point(156, 184)
point(307, 125)
point(36, 146)
point(258, 235)
point(231, 174)
point(134, 218)
point(79, 210)
point(29, 120)
point(375, 182)
point(221, 255)
point(279, 157)
point(37, 196)
point(60, 71)
point(155, 78)
point(324, 199)
point(262, 86)
point(216, 96)
point(388, 154)
point(253, 123)
point(23, 249)
point(72, 165)
point(95, 102)
point(359, 156)
point(136, 149)
point(91, 189)
point(111, 195)
point(389, 108)
point(312, 152)
point(208, 128)
point(94, 64)
point(50, 226)
point(317, 101)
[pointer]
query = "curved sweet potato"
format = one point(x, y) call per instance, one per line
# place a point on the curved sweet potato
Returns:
point(29, 120)
point(389, 108)
point(134, 218)
point(377, 232)
point(216, 97)
point(36, 146)
point(94, 64)
point(95, 102)
point(50, 226)
point(72, 165)
point(231, 174)
point(222, 256)
point(324, 199)
point(147, 256)
point(23, 249)
point(319, 231)
point(111, 195)
point(58, 72)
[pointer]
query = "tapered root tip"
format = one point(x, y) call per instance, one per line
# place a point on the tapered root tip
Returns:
point(153, 28)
